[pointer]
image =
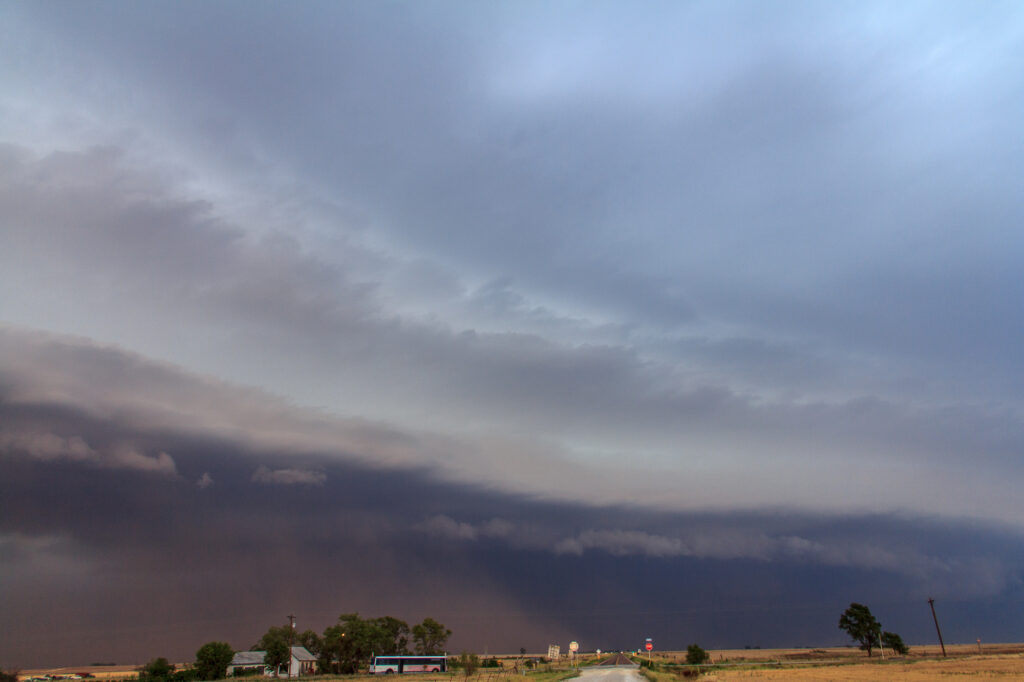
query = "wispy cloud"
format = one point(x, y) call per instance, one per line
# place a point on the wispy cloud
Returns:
point(288, 476)
point(49, 446)
point(447, 527)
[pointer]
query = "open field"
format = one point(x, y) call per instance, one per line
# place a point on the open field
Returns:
point(110, 673)
point(100, 672)
point(1004, 667)
point(996, 661)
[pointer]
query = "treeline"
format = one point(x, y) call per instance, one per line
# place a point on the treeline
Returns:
point(348, 645)
point(344, 648)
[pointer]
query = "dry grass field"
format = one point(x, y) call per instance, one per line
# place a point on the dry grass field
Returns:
point(100, 672)
point(1003, 667)
point(842, 664)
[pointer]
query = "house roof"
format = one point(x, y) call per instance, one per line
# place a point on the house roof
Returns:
point(248, 658)
point(300, 653)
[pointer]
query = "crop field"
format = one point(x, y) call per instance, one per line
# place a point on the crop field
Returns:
point(995, 661)
point(1004, 667)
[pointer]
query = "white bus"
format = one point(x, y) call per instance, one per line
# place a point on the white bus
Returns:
point(409, 664)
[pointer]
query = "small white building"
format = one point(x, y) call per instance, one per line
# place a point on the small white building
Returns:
point(252, 662)
point(302, 662)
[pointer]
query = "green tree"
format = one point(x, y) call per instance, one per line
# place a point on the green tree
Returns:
point(349, 644)
point(212, 660)
point(311, 641)
point(862, 627)
point(696, 655)
point(157, 669)
point(468, 662)
point(430, 637)
point(895, 642)
point(8, 676)
point(278, 654)
point(275, 633)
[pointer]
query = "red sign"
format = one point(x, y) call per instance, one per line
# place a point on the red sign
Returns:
point(649, 646)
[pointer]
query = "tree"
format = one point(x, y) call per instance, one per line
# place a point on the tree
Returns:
point(275, 633)
point(278, 654)
point(311, 641)
point(862, 627)
point(895, 642)
point(347, 646)
point(156, 670)
point(388, 636)
point(468, 662)
point(212, 660)
point(8, 676)
point(696, 655)
point(430, 637)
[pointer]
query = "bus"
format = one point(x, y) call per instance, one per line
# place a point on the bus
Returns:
point(409, 664)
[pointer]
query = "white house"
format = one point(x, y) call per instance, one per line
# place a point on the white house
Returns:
point(252, 662)
point(302, 662)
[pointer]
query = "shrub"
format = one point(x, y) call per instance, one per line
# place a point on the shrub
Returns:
point(895, 642)
point(157, 670)
point(469, 663)
point(696, 655)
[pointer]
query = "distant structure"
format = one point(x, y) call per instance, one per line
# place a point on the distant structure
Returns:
point(252, 662)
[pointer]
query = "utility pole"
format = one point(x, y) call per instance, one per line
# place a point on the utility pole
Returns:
point(931, 603)
point(291, 632)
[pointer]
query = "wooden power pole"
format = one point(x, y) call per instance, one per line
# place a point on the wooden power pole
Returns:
point(931, 603)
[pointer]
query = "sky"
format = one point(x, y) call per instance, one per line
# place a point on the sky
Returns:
point(601, 321)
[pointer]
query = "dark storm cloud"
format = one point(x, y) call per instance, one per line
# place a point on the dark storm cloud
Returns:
point(182, 564)
point(569, 384)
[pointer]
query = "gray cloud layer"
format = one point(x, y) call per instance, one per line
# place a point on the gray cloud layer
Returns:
point(719, 260)
point(180, 564)
point(670, 259)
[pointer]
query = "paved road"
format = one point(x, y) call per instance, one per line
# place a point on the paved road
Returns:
point(601, 673)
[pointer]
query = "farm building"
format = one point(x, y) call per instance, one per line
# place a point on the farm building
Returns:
point(249, 662)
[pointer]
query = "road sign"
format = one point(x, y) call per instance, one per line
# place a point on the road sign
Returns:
point(574, 646)
point(649, 644)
